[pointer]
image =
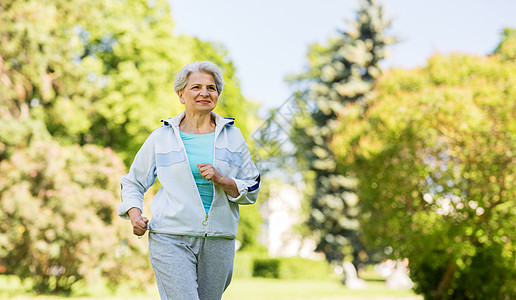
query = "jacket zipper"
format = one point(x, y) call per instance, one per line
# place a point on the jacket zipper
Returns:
point(178, 137)
point(205, 222)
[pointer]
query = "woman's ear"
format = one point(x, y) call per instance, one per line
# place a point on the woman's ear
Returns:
point(180, 95)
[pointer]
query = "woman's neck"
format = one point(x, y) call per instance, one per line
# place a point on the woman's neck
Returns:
point(197, 123)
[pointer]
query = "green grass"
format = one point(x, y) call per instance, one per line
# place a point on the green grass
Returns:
point(248, 289)
point(276, 289)
point(12, 288)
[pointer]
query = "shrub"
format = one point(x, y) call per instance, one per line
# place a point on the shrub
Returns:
point(302, 268)
point(58, 220)
point(266, 267)
point(258, 265)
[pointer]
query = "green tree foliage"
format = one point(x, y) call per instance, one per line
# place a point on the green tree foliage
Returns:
point(507, 48)
point(340, 77)
point(37, 69)
point(434, 156)
point(74, 74)
point(106, 78)
point(140, 58)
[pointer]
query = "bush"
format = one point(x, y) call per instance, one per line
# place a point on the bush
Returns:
point(259, 265)
point(266, 267)
point(302, 268)
point(58, 219)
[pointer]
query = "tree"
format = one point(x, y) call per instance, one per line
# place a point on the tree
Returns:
point(106, 79)
point(434, 157)
point(37, 70)
point(139, 76)
point(340, 78)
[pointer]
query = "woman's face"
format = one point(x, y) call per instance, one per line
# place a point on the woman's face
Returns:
point(200, 93)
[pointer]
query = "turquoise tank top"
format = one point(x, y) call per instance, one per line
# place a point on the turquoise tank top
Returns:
point(199, 149)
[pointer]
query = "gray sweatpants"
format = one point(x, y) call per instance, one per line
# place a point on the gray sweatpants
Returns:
point(190, 268)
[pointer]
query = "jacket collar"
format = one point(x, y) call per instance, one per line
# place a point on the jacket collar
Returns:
point(219, 121)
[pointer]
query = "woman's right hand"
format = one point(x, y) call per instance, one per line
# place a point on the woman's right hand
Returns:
point(139, 223)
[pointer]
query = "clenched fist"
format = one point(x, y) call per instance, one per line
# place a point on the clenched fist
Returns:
point(209, 172)
point(139, 223)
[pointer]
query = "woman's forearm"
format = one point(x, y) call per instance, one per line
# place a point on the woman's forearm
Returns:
point(229, 186)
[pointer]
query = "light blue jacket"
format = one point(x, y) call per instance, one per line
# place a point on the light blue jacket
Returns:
point(177, 207)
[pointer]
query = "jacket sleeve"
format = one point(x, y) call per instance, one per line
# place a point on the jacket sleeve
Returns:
point(247, 180)
point(140, 178)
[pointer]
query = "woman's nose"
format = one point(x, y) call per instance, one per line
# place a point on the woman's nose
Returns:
point(204, 92)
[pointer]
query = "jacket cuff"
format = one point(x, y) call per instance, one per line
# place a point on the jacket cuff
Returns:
point(242, 189)
point(126, 205)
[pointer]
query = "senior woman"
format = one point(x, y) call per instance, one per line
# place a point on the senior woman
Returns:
point(206, 172)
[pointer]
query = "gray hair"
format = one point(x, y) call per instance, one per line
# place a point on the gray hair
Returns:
point(203, 66)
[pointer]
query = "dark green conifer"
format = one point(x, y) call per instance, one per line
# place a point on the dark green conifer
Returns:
point(339, 82)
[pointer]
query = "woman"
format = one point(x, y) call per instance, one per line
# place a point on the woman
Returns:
point(206, 170)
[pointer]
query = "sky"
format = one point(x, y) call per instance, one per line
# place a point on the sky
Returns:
point(268, 39)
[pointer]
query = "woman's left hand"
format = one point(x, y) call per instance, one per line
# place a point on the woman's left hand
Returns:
point(209, 172)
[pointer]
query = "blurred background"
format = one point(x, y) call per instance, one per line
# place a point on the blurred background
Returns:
point(384, 132)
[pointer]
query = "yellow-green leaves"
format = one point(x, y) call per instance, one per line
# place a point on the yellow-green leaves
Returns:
point(434, 157)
